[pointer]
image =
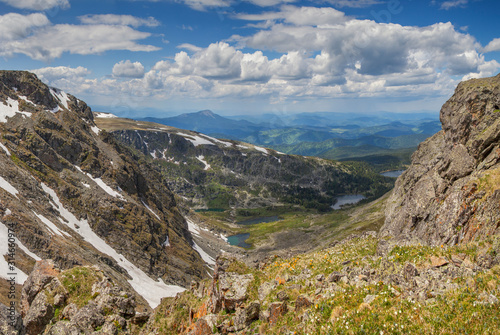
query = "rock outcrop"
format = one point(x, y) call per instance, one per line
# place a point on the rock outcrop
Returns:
point(81, 300)
point(451, 192)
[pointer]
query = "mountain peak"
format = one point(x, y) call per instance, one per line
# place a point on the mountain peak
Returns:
point(207, 113)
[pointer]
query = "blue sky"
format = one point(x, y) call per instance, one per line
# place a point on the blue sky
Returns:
point(154, 57)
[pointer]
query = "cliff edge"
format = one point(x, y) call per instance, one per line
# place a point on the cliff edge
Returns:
point(451, 192)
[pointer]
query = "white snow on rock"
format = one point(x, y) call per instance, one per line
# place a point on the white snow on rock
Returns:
point(197, 140)
point(149, 209)
point(195, 230)
point(206, 257)
point(215, 140)
point(264, 150)
point(95, 129)
point(9, 109)
point(166, 243)
point(60, 96)
point(8, 187)
point(5, 270)
point(102, 185)
point(149, 289)
point(202, 159)
point(105, 115)
point(4, 148)
point(52, 227)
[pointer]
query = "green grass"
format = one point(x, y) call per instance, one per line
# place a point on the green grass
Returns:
point(79, 281)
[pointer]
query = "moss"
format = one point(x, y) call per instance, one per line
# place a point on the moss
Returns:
point(79, 281)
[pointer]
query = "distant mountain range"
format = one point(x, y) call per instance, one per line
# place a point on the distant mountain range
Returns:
point(372, 138)
point(208, 122)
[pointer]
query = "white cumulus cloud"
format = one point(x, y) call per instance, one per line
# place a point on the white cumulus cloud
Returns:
point(37, 4)
point(494, 45)
point(34, 36)
point(128, 69)
point(113, 19)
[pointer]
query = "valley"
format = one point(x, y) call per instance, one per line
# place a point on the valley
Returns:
point(134, 225)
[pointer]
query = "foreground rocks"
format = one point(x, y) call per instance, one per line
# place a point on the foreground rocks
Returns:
point(81, 300)
point(320, 291)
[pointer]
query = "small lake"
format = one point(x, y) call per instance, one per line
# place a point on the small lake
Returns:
point(348, 200)
point(239, 240)
point(259, 220)
point(393, 174)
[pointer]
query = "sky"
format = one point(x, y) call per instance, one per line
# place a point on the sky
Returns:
point(160, 57)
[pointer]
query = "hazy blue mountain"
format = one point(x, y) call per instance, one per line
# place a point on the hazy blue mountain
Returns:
point(209, 123)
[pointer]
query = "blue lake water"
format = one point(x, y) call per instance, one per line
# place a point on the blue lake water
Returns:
point(393, 174)
point(348, 200)
point(239, 240)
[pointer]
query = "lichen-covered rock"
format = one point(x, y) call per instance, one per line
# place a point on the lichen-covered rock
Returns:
point(451, 192)
point(276, 311)
point(11, 322)
point(233, 288)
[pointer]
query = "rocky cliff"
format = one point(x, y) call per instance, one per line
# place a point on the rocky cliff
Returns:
point(451, 192)
point(70, 192)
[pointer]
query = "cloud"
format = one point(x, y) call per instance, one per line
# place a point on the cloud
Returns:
point(51, 74)
point(16, 26)
point(127, 69)
point(311, 16)
point(494, 45)
point(353, 3)
point(454, 3)
point(268, 3)
point(34, 36)
point(317, 53)
point(72, 80)
point(124, 20)
point(189, 47)
point(203, 5)
point(37, 4)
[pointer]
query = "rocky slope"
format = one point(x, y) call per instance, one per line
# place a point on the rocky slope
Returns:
point(360, 286)
point(70, 192)
point(223, 174)
point(451, 192)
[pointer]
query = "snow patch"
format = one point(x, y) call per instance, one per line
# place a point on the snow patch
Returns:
point(8, 187)
point(61, 96)
point(206, 257)
point(264, 150)
point(102, 185)
point(5, 269)
point(197, 140)
point(195, 230)
point(52, 227)
point(95, 129)
point(9, 108)
point(148, 288)
point(202, 159)
point(149, 209)
point(166, 243)
point(5, 149)
point(105, 115)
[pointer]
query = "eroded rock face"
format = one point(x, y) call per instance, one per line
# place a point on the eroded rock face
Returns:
point(451, 192)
